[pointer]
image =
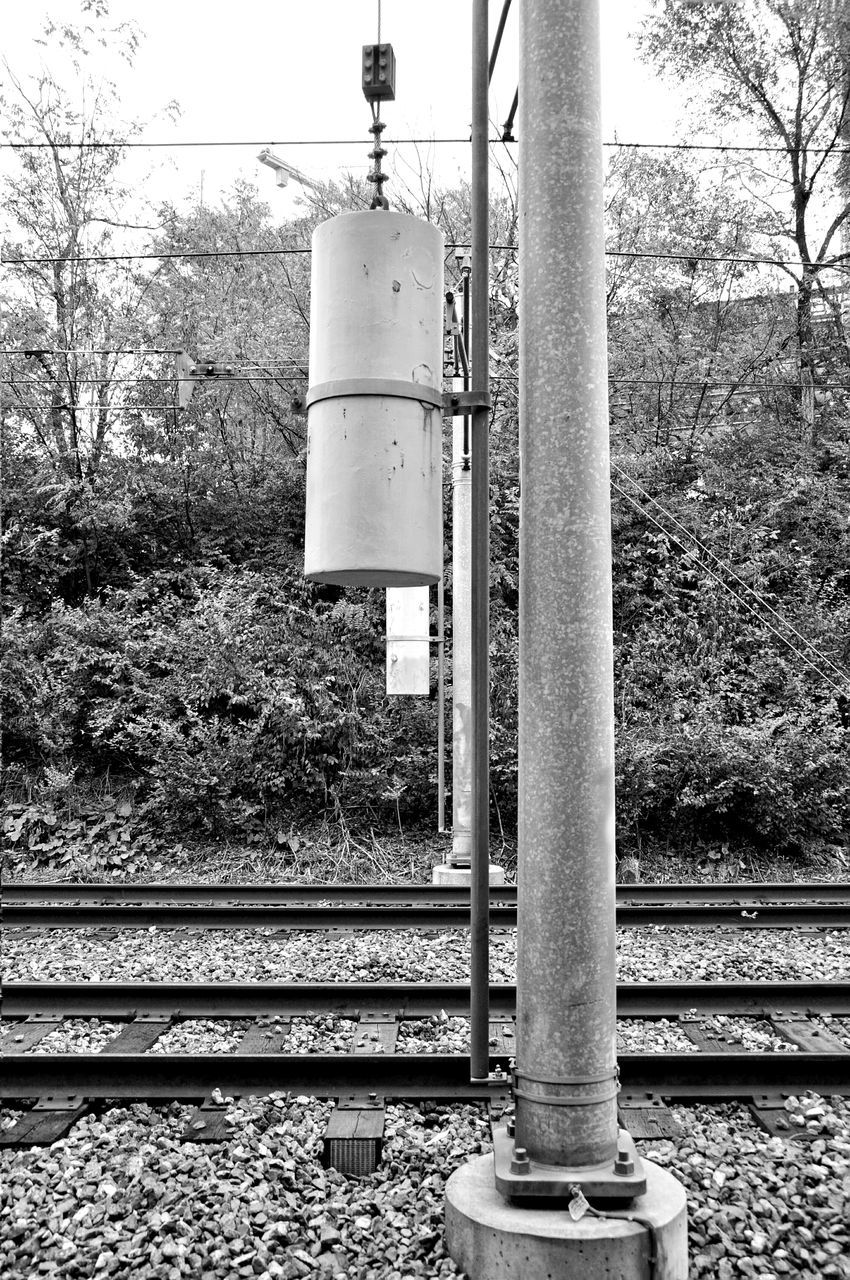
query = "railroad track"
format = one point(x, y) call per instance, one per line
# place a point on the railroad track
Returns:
point(715, 1067)
point(344, 907)
point(63, 1086)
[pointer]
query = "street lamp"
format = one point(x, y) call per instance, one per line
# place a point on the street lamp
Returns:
point(284, 171)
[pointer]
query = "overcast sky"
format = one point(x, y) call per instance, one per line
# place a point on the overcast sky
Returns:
point(263, 72)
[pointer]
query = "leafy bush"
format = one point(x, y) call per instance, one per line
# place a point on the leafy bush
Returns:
point(238, 701)
point(99, 837)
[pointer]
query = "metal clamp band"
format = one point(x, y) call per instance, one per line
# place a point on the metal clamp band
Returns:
point(608, 1075)
point(374, 387)
point(566, 1099)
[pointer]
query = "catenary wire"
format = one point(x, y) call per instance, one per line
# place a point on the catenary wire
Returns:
point(275, 253)
point(19, 145)
point(726, 587)
point(674, 384)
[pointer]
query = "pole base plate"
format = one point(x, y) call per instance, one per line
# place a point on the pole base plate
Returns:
point(521, 1179)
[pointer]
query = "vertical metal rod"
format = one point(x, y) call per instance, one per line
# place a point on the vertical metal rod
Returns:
point(479, 361)
point(461, 855)
point(441, 706)
point(497, 39)
point(566, 1029)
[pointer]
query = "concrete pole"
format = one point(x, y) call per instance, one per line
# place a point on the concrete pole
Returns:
point(461, 646)
point(566, 1031)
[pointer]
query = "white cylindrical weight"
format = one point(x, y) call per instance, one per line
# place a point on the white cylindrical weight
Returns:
point(374, 450)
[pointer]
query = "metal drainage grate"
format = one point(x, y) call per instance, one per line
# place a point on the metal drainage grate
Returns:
point(354, 1157)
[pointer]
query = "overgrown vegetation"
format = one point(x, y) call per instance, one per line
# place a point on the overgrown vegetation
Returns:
point(169, 676)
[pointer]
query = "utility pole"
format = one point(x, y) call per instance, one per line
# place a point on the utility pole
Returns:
point(563, 1147)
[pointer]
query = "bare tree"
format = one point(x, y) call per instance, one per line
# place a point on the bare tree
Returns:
point(65, 203)
point(780, 67)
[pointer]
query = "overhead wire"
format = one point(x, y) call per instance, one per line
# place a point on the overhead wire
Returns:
point(655, 255)
point(19, 144)
point(294, 363)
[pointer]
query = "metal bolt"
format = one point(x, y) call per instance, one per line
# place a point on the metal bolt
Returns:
point(520, 1163)
point(511, 1128)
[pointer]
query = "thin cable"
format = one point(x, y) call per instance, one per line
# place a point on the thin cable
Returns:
point(258, 142)
point(121, 351)
point(19, 145)
point(272, 253)
point(724, 146)
point(295, 363)
point(142, 381)
point(689, 551)
point(163, 257)
point(99, 408)
point(649, 516)
point(88, 351)
point(379, 21)
point(674, 383)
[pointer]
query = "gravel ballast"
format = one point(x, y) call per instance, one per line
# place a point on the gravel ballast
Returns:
point(264, 955)
point(121, 1195)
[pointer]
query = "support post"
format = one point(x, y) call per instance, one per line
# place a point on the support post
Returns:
point(461, 641)
point(563, 1144)
point(479, 361)
point(441, 705)
point(566, 974)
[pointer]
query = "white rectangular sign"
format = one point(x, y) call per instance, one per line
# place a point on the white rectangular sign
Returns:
point(408, 647)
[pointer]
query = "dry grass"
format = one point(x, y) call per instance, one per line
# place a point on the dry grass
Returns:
point(331, 852)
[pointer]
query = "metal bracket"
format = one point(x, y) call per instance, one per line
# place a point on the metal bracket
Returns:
point(59, 1102)
point(498, 1080)
point(458, 404)
point(360, 1102)
point(520, 1178)
point(190, 371)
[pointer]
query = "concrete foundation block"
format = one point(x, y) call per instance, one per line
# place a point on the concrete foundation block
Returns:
point(444, 874)
point(494, 1240)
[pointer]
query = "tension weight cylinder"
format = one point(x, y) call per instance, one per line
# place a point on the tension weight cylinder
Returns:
point(374, 416)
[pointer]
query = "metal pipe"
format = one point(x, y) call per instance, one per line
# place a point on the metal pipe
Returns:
point(479, 1030)
point(566, 1032)
point(465, 349)
point(441, 705)
point(497, 40)
point(462, 736)
point(508, 126)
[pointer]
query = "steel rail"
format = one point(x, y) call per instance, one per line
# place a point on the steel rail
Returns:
point(391, 894)
point(298, 916)
point(439, 1076)
point(305, 907)
point(402, 999)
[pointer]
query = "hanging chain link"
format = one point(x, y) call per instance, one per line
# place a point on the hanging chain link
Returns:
point(376, 155)
point(379, 200)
